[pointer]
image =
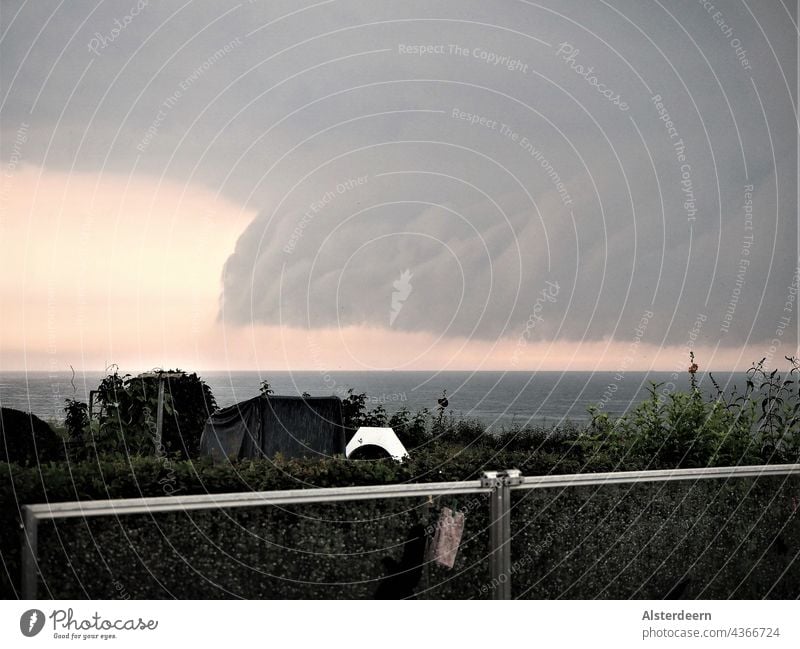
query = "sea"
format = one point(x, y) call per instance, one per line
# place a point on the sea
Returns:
point(501, 400)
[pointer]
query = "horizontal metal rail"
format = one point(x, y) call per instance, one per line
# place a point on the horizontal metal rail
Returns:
point(125, 506)
point(666, 475)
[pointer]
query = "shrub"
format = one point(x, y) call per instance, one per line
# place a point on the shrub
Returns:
point(411, 429)
point(673, 430)
point(710, 538)
point(26, 439)
point(76, 421)
point(129, 414)
point(707, 539)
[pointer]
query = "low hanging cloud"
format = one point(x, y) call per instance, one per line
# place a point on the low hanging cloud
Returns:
point(446, 195)
point(425, 251)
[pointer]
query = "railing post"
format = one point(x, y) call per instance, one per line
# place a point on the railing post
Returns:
point(500, 483)
point(30, 559)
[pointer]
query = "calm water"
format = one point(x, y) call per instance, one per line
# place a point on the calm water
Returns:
point(497, 398)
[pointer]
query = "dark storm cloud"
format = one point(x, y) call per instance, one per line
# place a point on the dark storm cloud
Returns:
point(469, 144)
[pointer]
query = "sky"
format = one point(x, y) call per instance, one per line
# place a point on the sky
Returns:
point(509, 185)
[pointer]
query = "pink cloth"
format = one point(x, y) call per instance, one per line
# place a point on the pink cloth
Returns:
point(446, 538)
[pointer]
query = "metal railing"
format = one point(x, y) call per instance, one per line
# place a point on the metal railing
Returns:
point(498, 484)
point(32, 514)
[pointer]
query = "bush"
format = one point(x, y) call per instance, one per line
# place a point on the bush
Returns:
point(672, 430)
point(411, 429)
point(76, 422)
point(725, 537)
point(709, 539)
point(129, 413)
point(25, 439)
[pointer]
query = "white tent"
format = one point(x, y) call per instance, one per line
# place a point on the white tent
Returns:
point(384, 438)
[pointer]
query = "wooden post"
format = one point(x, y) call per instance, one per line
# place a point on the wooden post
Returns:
point(161, 376)
point(160, 415)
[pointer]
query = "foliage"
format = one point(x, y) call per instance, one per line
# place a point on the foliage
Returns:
point(27, 440)
point(129, 414)
point(612, 542)
point(707, 539)
point(76, 420)
point(354, 409)
point(671, 430)
point(413, 429)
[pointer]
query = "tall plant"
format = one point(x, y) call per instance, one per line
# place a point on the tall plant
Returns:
point(129, 415)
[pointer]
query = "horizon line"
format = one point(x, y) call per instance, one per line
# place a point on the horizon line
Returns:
point(367, 371)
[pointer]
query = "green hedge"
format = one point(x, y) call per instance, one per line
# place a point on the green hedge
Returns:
point(575, 543)
point(310, 551)
point(133, 477)
point(706, 539)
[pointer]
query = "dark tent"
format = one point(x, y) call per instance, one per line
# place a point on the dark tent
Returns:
point(264, 426)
